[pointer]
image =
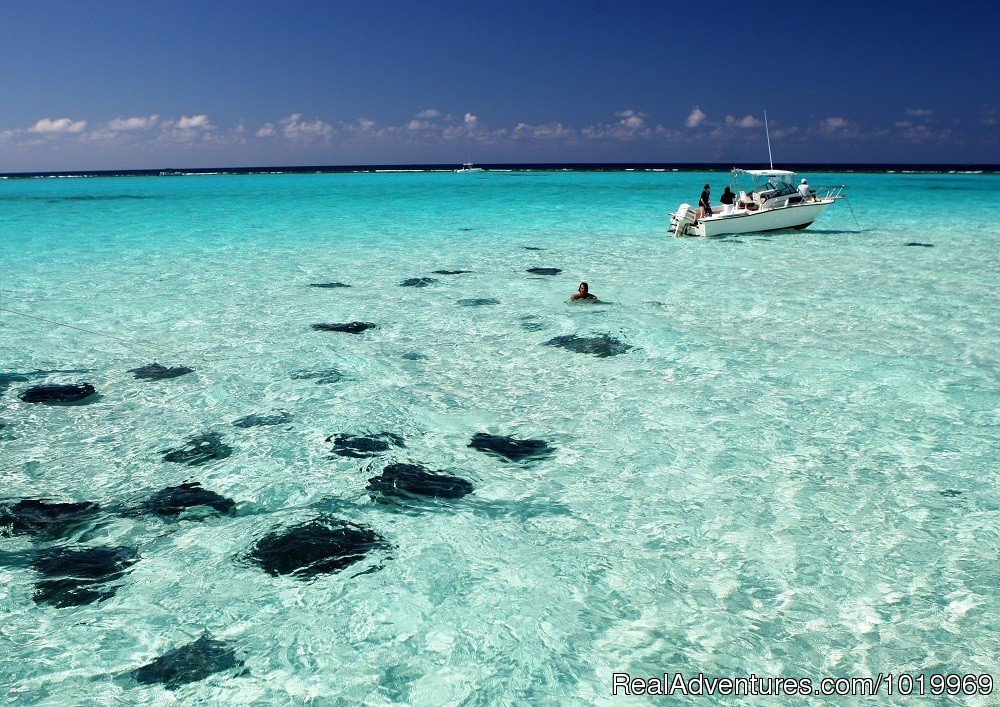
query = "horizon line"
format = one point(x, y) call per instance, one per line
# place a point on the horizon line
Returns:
point(513, 166)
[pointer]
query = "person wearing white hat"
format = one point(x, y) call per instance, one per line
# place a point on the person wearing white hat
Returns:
point(804, 189)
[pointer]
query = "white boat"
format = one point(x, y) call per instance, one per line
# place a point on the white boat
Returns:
point(467, 167)
point(766, 200)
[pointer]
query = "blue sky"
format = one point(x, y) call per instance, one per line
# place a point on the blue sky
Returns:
point(90, 85)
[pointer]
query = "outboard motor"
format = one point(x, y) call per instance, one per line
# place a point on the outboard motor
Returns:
point(683, 219)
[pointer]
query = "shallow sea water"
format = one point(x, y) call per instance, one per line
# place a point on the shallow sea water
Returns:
point(754, 487)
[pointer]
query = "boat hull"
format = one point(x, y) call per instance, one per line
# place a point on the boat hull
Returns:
point(797, 216)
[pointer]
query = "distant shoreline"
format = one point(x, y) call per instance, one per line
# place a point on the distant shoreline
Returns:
point(813, 167)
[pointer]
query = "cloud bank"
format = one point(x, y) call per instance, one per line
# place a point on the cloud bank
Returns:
point(433, 135)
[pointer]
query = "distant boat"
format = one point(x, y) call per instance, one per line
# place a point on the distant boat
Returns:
point(467, 167)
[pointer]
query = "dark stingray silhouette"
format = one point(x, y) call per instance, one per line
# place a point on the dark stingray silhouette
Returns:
point(188, 663)
point(544, 271)
point(7, 378)
point(478, 302)
point(77, 576)
point(511, 448)
point(362, 446)
point(156, 372)
point(328, 285)
point(418, 282)
point(322, 377)
point(32, 516)
point(174, 500)
point(408, 480)
point(255, 420)
point(345, 327)
point(601, 345)
point(59, 394)
point(200, 449)
point(318, 546)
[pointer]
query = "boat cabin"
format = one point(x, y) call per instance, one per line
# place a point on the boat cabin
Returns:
point(768, 188)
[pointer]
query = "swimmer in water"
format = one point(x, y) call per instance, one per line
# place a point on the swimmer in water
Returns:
point(583, 294)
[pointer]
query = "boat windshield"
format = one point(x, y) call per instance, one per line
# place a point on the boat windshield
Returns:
point(778, 182)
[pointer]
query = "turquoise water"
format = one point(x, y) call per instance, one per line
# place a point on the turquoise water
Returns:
point(754, 487)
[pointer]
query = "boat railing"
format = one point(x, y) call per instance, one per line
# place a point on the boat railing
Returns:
point(830, 192)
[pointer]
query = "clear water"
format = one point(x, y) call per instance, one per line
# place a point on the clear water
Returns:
point(755, 487)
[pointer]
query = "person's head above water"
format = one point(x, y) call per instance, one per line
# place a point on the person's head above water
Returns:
point(583, 293)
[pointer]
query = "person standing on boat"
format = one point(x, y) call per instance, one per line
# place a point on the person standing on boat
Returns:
point(728, 200)
point(705, 203)
point(804, 189)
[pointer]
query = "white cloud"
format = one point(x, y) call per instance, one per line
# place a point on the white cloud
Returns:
point(695, 119)
point(546, 131)
point(61, 125)
point(294, 128)
point(831, 124)
point(418, 125)
point(783, 132)
point(136, 123)
point(266, 130)
point(470, 119)
point(631, 119)
point(429, 113)
point(903, 124)
point(919, 112)
point(195, 121)
point(631, 124)
point(747, 121)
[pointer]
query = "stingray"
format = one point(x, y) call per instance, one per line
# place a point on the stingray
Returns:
point(199, 449)
point(406, 480)
point(58, 394)
point(345, 327)
point(32, 516)
point(601, 345)
point(361, 446)
point(77, 576)
point(319, 546)
point(511, 448)
point(189, 663)
point(174, 500)
point(418, 282)
point(156, 372)
point(255, 420)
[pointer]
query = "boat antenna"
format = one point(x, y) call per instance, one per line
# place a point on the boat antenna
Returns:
point(768, 133)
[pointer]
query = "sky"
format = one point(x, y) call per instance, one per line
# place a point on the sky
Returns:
point(132, 85)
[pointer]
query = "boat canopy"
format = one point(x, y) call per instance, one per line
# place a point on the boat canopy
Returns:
point(764, 172)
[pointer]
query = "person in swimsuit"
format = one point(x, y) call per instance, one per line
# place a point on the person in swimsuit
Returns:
point(583, 294)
